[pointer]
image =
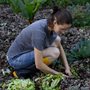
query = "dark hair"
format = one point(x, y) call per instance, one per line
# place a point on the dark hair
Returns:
point(62, 16)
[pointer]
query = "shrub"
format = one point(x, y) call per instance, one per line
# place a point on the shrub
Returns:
point(80, 50)
point(3, 1)
point(81, 15)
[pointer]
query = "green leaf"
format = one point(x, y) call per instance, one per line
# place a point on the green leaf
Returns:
point(27, 8)
point(80, 50)
point(14, 5)
point(51, 82)
point(18, 84)
point(55, 83)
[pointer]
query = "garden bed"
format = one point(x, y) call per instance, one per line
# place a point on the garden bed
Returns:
point(10, 26)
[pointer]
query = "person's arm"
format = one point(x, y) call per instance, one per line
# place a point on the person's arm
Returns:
point(64, 59)
point(40, 65)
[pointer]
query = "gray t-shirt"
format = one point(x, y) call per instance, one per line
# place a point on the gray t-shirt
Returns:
point(35, 35)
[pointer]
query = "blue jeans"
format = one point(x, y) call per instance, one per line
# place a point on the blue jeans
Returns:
point(22, 61)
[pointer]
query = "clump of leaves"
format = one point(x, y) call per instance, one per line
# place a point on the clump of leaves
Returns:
point(81, 15)
point(80, 50)
point(80, 2)
point(3, 1)
point(59, 3)
point(51, 82)
point(63, 3)
point(27, 8)
point(20, 84)
point(74, 72)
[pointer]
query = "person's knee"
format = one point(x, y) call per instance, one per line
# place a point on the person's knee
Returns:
point(55, 53)
point(52, 52)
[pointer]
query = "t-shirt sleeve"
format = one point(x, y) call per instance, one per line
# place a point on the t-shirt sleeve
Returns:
point(38, 39)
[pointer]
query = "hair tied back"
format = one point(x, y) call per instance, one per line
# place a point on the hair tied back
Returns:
point(56, 9)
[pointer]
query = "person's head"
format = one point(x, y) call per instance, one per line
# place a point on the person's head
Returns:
point(60, 20)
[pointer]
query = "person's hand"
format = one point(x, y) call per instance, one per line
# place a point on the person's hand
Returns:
point(68, 72)
point(65, 76)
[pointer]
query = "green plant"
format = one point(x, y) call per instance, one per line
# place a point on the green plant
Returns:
point(74, 72)
point(81, 15)
point(59, 3)
point(63, 3)
point(81, 19)
point(51, 82)
point(27, 8)
point(15, 5)
point(49, 3)
point(80, 2)
point(80, 50)
point(3, 1)
point(20, 84)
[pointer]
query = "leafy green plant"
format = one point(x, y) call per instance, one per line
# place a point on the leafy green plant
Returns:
point(3, 1)
point(20, 84)
point(51, 82)
point(80, 50)
point(15, 5)
point(59, 3)
point(81, 15)
point(27, 8)
point(74, 72)
point(81, 19)
point(80, 2)
point(63, 3)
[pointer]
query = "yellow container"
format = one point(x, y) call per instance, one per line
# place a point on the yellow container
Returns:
point(46, 61)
